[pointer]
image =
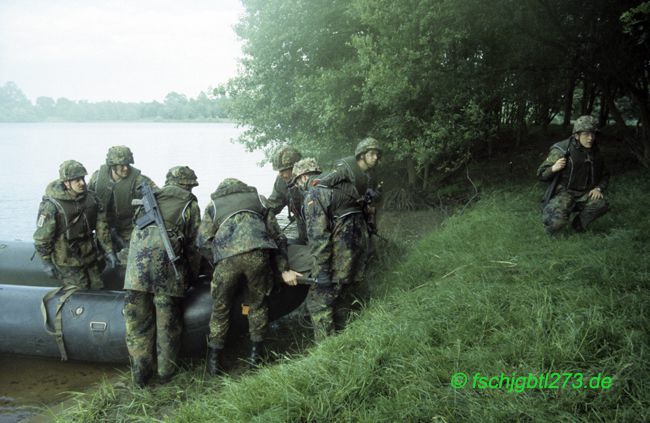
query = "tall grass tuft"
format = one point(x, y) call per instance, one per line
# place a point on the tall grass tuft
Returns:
point(487, 293)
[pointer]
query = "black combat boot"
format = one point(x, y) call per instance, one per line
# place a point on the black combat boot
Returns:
point(258, 354)
point(577, 224)
point(214, 361)
point(140, 379)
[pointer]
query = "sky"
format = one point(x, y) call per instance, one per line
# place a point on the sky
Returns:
point(138, 50)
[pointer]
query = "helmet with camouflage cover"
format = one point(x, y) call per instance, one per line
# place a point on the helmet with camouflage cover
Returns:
point(285, 158)
point(119, 155)
point(306, 165)
point(181, 175)
point(365, 145)
point(71, 169)
point(585, 123)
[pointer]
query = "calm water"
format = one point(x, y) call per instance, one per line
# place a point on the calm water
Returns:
point(30, 155)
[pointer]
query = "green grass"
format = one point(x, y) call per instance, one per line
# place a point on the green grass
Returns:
point(488, 292)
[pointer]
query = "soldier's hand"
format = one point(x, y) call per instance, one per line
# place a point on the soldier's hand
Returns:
point(559, 165)
point(289, 277)
point(595, 194)
point(49, 269)
point(111, 261)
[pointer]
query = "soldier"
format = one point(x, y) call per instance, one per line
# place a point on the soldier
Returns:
point(115, 184)
point(337, 239)
point(354, 175)
point(579, 179)
point(283, 195)
point(244, 240)
point(69, 218)
point(154, 285)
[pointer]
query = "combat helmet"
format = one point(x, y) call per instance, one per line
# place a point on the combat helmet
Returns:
point(285, 158)
point(306, 165)
point(365, 145)
point(119, 155)
point(71, 169)
point(585, 123)
point(181, 175)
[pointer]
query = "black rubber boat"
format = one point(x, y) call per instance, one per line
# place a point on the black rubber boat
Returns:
point(93, 321)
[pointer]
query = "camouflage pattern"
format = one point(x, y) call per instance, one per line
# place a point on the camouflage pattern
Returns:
point(85, 277)
point(338, 245)
point(119, 155)
point(284, 158)
point(154, 324)
point(71, 169)
point(585, 170)
point(67, 231)
point(181, 175)
point(241, 232)
point(241, 245)
point(366, 145)
point(148, 268)
point(585, 124)
point(291, 197)
point(152, 311)
point(557, 212)
point(254, 267)
point(117, 196)
point(304, 166)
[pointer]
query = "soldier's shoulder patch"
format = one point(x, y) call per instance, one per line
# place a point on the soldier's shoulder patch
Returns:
point(41, 220)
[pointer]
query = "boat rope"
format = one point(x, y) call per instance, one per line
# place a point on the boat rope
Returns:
point(57, 333)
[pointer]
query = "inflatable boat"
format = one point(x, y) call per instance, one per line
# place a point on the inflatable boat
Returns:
point(92, 322)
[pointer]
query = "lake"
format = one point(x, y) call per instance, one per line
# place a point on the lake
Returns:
point(32, 152)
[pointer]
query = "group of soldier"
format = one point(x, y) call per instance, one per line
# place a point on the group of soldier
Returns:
point(81, 229)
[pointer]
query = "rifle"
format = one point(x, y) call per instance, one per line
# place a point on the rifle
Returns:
point(551, 188)
point(368, 198)
point(152, 215)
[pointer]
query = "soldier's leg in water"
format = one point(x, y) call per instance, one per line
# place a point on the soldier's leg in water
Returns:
point(557, 211)
point(224, 280)
point(169, 327)
point(139, 316)
point(590, 210)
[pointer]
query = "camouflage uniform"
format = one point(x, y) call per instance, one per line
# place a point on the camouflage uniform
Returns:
point(244, 241)
point(66, 230)
point(285, 195)
point(116, 197)
point(154, 294)
point(338, 237)
point(584, 171)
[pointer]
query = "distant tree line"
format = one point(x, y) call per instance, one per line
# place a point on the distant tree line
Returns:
point(16, 107)
point(437, 79)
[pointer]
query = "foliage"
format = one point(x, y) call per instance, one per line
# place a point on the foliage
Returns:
point(15, 107)
point(435, 79)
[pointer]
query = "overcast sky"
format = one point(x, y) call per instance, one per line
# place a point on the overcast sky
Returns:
point(136, 50)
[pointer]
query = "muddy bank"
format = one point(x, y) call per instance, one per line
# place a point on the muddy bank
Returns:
point(28, 384)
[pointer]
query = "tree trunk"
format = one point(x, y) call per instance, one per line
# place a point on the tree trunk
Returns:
point(411, 172)
point(568, 101)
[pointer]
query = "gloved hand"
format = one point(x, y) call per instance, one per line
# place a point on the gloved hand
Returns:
point(49, 269)
point(111, 261)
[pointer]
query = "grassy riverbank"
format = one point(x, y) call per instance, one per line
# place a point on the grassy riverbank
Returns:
point(487, 293)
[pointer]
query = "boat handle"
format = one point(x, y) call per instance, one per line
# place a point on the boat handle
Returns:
point(98, 326)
